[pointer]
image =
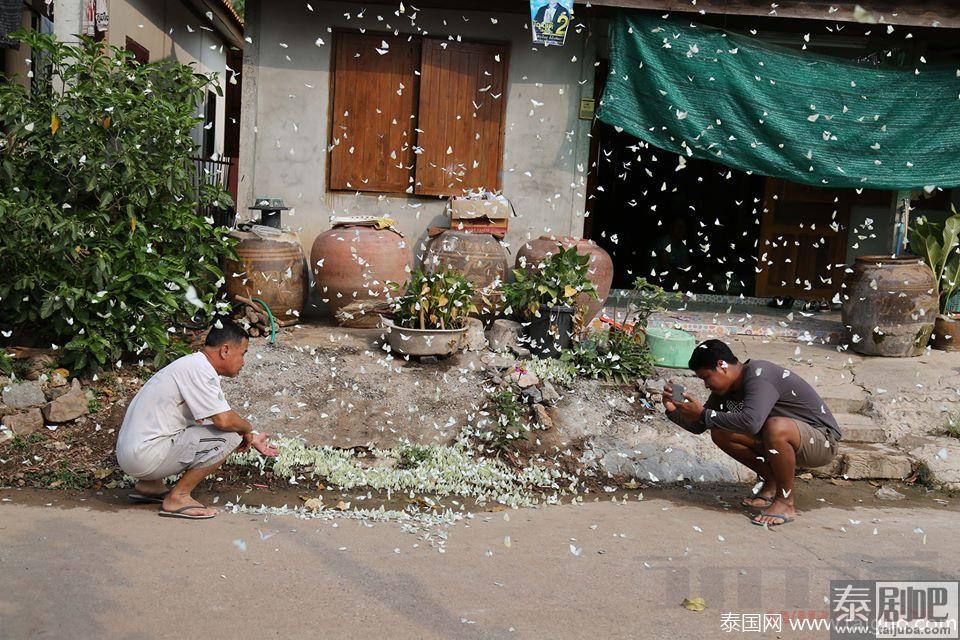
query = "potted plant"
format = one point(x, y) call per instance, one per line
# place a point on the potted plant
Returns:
point(429, 316)
point(546, 299)
point(939, 246)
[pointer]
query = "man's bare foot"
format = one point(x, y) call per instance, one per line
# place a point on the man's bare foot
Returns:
point(763, 498)
point(152, 488)
point(780, 507)
point(178, 501)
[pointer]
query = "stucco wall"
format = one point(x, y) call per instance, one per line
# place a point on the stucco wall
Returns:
point(287, 100)
point(161, 26)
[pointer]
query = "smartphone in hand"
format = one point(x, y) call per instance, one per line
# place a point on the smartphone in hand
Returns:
point(676, 392)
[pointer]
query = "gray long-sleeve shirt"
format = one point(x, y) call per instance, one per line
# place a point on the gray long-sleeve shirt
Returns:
point(768, 390)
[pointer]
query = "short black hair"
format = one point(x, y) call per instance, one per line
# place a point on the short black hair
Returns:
point(224, 330)
point(708, 353)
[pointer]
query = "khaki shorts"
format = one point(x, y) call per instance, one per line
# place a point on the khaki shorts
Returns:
point(817, 447)
point(195, 447)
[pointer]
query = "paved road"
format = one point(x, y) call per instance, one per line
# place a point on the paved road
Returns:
point(76, 572)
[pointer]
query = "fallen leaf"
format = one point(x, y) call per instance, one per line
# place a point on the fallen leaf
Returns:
point(697, 604)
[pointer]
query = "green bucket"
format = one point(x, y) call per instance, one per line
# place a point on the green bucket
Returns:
point(671, 347)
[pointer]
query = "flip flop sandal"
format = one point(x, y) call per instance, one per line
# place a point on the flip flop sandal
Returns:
point(783, 520)
point(182, 513)
point(142, 498)
point(766, 502)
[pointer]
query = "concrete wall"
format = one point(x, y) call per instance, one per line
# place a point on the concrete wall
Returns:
point(164, 27)
point(285, 130)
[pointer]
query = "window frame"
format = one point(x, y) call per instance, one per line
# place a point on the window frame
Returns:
point(331, 107)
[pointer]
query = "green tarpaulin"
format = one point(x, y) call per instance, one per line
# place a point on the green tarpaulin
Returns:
point(707, 93)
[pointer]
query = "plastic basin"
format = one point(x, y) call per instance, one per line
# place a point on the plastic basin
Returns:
point(671, 347)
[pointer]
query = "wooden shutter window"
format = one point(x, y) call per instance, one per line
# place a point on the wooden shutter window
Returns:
point(374, 108)
point(461, 117)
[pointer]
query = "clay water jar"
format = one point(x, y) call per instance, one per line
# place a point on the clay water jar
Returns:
point(889, 306)
point(354, 262)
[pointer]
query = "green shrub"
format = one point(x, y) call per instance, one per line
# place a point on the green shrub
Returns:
point(439, 300)
point(614, 356)
point(103, 250)
point(560, 372)
point(506, 415)
point(556, 283)
point(646, 300)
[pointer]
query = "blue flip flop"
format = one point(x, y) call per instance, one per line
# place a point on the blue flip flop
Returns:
point(182, 513)
point(783, 520)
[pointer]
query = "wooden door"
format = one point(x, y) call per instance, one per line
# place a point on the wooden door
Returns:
point(803, 240)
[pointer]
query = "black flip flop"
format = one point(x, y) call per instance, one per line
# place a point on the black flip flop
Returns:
point(142, 498)
point(182, 513)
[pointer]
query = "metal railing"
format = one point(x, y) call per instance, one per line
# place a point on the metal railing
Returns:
point(217, 172)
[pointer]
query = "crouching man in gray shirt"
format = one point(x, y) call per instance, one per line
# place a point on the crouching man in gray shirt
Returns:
point(763, 416)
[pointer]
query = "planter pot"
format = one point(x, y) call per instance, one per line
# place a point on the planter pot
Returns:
point(599, 269)
point(424, 342)
point(946, 333)
point(550, 334)
point(889, 306)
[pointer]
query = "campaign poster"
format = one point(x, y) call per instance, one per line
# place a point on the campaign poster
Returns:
point(550, 21)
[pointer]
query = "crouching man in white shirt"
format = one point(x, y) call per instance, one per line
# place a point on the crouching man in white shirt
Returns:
point(179, 422)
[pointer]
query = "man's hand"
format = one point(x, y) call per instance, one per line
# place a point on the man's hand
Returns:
point(691, 409)
point(668, 402)
point(260, 442)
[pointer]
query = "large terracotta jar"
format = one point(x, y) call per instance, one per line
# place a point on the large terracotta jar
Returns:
point(600, 268)
point(270, 267)
point(354, 263)
point(889, 306)
point(480, 258)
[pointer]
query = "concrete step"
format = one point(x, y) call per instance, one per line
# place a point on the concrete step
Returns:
point(843, 403)
point(861, 460)
point(859, 428)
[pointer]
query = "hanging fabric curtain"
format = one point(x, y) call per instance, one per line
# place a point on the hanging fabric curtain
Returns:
point(707, 93)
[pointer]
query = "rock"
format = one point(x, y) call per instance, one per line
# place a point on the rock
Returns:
point(23, 423)
point(53, 393)
point(525, 379)
point(654, 385)
point(5, 435)
point(888, 493)
point(550, 394)
point(69, 406)
point(23, 395)
point(36, 365)
point(475, 339)
point(521, 352)
point(429, 359)
point(532, 395)
point(58, 378)
point(542, 416)
point(503, 334)
point(497, 361)
point(940, 456)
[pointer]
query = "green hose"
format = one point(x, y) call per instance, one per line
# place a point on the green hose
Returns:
point(273, 323)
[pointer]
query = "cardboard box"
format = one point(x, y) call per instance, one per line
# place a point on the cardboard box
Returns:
point(471, 209)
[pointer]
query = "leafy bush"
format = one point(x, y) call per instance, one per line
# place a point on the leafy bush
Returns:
point(561, 372)
point(439, 300)
point(646, 300)
point(614, 355)
point(556, 283)
point(939, 245)
point(103, 250)
point(506, 415)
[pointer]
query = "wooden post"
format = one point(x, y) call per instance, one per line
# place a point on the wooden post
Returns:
point(901, 221)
